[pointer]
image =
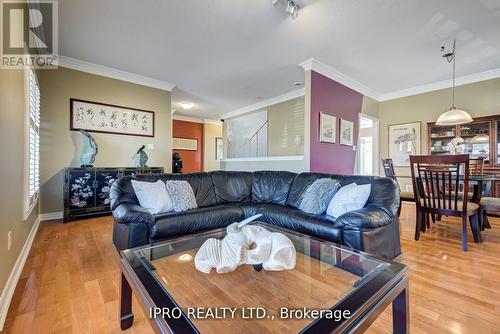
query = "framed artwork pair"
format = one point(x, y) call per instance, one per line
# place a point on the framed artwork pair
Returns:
point(328, 130)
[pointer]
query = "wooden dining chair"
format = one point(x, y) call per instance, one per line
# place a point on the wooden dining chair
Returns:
point(436, 183)
point(389, 172)
point(476, 167)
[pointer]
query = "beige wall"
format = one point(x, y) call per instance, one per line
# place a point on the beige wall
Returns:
point(60, 148)
point(479, 99)
point(296, 166)
point(370, 107)
point(12, 124)
point(288, 134)
point(210, 132)
point(286, 128)
point(285, 125)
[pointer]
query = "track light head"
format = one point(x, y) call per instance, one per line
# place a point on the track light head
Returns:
point(292, 8)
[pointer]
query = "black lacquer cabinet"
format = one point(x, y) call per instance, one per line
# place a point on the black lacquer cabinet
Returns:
point(86, 190)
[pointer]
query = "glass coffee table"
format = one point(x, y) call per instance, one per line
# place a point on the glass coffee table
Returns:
point(332, 289)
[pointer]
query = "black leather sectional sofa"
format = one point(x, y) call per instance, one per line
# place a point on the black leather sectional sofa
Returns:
point(224, 197)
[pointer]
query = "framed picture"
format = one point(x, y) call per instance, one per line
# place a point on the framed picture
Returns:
point(218, 148)
point(327, 128)
point(404, 140)
point(184, 144)
point(108, 118)
point(346, 132)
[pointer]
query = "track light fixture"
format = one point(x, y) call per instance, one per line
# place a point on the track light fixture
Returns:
point(291, 7)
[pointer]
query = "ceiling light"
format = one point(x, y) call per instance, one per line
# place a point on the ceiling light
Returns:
point(186, 105)
point(480, 139)
point(292, 8)
point(453, 116)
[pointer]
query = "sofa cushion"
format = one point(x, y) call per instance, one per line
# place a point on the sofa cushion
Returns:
point(318, 195)
point(122, 191)
point(320, 226)
point(192, 221)
point(232, 186)
point(271, 186)
point(153, 196)
point(300, 185)
point(182, 195)
point(201, 183)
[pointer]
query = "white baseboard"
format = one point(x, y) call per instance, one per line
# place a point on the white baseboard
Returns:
point(51, 215)
point(10, 286)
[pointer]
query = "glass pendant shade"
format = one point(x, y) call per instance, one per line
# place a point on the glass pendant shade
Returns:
point(454, 116)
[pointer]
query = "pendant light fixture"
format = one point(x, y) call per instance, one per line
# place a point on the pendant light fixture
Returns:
point(453, 116)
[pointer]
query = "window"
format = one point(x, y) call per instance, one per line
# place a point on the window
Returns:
point(32, 161)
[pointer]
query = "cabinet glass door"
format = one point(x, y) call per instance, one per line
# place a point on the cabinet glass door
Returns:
point(440, 138)
point(476, 140)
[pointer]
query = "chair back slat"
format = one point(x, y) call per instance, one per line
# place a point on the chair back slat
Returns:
point(389, 168)
point(437, 180)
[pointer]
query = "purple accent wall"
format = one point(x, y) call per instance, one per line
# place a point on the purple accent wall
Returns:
point(333, 98)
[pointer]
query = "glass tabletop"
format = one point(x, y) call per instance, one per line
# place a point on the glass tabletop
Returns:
point(326, 277)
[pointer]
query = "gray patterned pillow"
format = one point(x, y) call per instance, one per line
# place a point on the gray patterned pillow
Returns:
point(318, 195)
point(182, 195)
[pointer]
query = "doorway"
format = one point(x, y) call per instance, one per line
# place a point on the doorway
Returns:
point(367, 154)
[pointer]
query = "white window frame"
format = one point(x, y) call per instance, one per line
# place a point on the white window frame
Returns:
point(31, 199)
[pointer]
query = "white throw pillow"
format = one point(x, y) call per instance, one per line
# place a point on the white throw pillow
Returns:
point(153, 197)
point(349, 198)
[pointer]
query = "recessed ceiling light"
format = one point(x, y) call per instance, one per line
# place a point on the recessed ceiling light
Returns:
point(186, 105)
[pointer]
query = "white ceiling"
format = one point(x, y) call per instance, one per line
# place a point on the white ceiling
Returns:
point(223, 55)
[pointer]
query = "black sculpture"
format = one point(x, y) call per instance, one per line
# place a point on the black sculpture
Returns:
point(176, 163)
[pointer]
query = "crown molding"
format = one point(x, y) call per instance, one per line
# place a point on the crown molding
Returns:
point(460, 81)
point(265, 103)
point(109, 72)
point(196, 120)
point(329, 72)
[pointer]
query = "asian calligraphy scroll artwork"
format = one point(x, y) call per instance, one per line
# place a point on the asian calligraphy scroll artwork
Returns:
point(108, 118)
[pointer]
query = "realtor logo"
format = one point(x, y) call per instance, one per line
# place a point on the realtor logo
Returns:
point(29, 34)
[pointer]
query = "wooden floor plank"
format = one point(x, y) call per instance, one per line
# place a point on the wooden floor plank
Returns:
point(70, 281)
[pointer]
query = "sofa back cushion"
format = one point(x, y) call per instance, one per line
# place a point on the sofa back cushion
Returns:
point(202, 187)
point(384, 191)
point(232, 186)
point(122, 191)
point(271, 186)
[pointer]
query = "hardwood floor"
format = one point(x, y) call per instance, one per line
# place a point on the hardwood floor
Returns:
point(70, 281)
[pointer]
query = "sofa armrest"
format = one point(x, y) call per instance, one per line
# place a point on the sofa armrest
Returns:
point(127, 213)
point(365, 218)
